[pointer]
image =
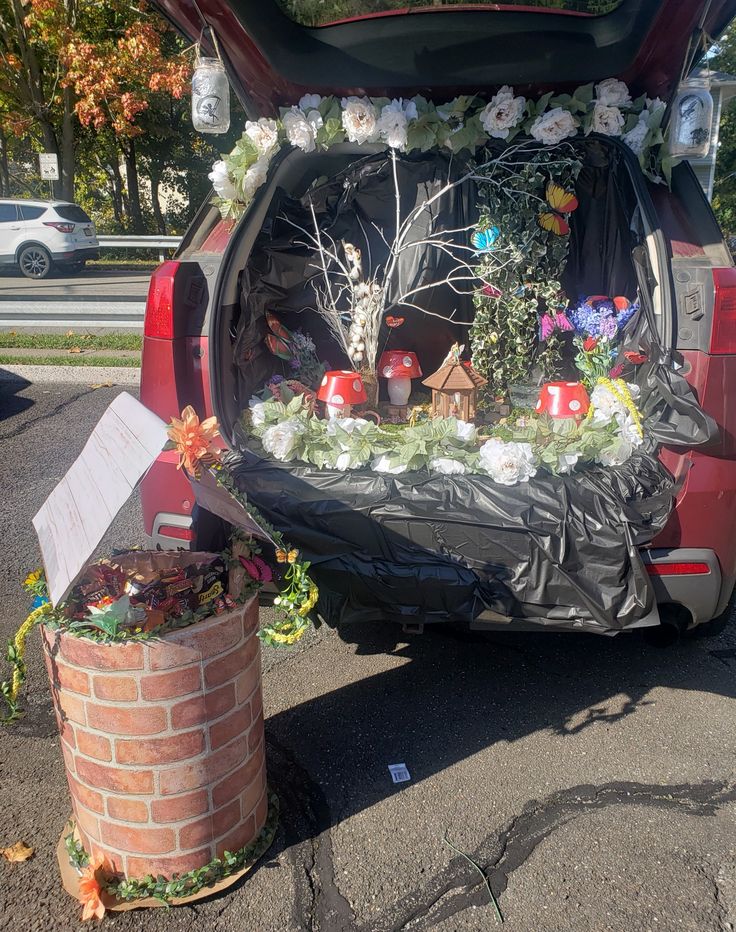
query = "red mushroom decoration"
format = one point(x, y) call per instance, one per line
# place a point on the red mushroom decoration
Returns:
point(340, 390)
point(563, 399)
point(399, 367)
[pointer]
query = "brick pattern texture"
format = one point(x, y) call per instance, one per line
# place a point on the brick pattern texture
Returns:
point(163, 742)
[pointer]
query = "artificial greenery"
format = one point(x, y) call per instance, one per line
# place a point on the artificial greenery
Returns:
point(190, 883)
point(434, 444)
point(504, 334)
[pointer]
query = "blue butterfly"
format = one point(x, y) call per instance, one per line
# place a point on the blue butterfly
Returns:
point(485, 241)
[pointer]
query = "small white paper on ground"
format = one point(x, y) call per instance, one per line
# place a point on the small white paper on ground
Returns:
point(399, 773)
point(74, 518)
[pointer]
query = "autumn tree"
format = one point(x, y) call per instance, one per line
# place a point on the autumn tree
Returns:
point(72, 64)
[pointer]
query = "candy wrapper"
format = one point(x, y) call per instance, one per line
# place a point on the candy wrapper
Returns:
point(145, 588)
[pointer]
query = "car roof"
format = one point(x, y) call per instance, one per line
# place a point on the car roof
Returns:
point(449, 49)
point(35, 203)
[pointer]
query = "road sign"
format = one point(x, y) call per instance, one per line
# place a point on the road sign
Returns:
point(49, 163)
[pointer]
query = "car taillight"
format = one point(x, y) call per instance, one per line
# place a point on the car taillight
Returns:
point(678, 569)
point(61, 227)
point(177, 533)
point(159, 319)
point(723, 333)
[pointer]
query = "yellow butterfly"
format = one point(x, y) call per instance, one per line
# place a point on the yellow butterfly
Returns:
point(560, 202)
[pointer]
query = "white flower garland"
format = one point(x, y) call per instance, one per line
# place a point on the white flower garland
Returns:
point(464, 123)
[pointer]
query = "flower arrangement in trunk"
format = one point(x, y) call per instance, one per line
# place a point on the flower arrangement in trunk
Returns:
point(599, 322)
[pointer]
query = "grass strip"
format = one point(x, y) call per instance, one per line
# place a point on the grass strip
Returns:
point(105, 362)
point(71, 340)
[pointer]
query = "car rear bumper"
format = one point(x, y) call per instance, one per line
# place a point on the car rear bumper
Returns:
point(77, 254)
point(687, 576)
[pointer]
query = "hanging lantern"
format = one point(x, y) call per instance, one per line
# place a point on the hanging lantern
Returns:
point(210, 97)
point(692, 113)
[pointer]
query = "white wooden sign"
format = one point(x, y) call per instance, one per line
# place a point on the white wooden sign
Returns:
point(49, 163)
point(74, 518)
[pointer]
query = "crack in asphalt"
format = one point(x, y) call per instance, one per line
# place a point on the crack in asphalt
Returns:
point(33, 422)
point(320, 906)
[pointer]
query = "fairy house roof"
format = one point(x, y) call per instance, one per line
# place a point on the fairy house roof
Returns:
point(454, 377)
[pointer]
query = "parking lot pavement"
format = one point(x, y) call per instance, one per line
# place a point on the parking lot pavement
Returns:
point(591, 778)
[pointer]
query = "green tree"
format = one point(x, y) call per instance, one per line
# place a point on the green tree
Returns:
point(724, 189)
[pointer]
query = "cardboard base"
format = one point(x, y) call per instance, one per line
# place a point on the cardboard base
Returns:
point(70, 877)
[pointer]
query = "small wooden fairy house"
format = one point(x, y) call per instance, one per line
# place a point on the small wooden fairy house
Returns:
point(455, 387)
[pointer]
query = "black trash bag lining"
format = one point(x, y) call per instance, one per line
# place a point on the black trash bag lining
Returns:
point(417, 548)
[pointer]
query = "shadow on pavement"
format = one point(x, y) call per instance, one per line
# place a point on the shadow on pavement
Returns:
point(460, 693)
point(10, 401)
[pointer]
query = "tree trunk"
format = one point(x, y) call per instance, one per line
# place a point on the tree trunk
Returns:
point(68, 158)
point(4, 172)
point(156, 204)
point(134, 196)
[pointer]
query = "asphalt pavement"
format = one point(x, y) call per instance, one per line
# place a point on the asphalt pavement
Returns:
point(89, 283)
point(591, 779)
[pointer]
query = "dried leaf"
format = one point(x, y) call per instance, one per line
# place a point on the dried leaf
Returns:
point(17, 852)
point(75, 349)
point(103, 385)
point(70, 333)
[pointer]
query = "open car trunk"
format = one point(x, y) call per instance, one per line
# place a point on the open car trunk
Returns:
point(560, 551)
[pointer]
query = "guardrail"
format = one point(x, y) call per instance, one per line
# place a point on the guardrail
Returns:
point(140, 242)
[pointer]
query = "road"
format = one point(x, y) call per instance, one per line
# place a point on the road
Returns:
point(91, 300)
point(592, 778)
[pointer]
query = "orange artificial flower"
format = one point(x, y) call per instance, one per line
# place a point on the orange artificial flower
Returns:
point(194, 440)
point(281, 556)
point(90, 888)
point(292, 555)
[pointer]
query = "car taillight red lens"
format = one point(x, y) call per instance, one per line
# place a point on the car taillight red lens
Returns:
point(723, 333)
point(159, 320)
point(61, 227)
point(178, 533)
point(678, 569)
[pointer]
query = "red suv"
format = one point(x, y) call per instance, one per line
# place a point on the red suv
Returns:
point(440, 51)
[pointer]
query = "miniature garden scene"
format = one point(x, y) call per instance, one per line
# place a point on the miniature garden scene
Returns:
point(445, 399)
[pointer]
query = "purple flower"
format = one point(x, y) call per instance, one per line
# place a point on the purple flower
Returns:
point(276, 380)
point(608, 328)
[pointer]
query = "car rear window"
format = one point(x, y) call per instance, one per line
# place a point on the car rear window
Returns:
point(8, 212)
point(73, 213)
point(323, 12)
point(30, 213)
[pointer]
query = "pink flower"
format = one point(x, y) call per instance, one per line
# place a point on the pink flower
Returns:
point(616, 371)
point(491, 291)
point(264, 568)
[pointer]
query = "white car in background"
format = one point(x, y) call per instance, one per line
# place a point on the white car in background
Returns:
point(36, 236)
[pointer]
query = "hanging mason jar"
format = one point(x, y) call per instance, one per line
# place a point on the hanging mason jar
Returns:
point(210, 97)
point(692, 112)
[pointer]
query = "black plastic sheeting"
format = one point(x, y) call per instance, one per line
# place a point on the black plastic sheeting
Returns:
point(417, 548)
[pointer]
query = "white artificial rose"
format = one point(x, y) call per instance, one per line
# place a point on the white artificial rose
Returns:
point(383, 464)
point(607, 120)
point(552, 127)
point(629, 430)
point(567, 461)
point(613, 93)
point(447, 466)
point(280, 440)
point(507, 462)
point(257, 412)
point(359, 119)
point(254, 178)
point(342, 462)
point(301, 131)
point(466, 431)
point(222, 182)
point(310, 102)
point(636, 136)
point(616, 454)
point(393, 124)
point(503, 113)
point(264, 134)
point(348, 424)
